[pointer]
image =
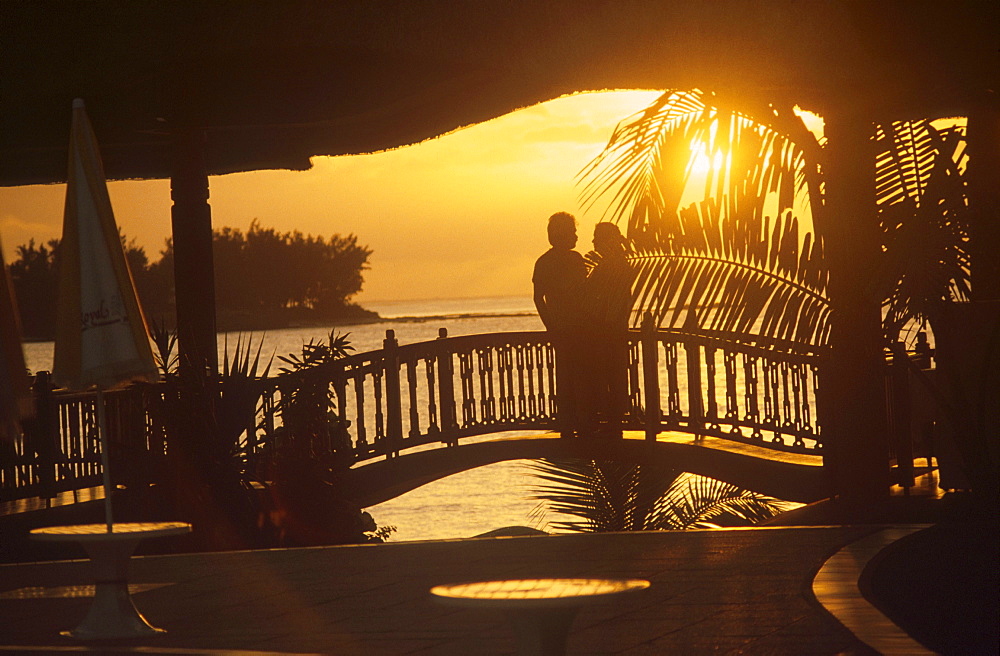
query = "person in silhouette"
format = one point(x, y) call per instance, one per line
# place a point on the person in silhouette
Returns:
point(608, 295)
point(559, 278)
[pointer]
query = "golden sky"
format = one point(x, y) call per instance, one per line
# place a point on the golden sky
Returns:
point(459, 216)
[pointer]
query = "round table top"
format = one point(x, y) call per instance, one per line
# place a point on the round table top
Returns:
point(523, 593)
point(99, 532)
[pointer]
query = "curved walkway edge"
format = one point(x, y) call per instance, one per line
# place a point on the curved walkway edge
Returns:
point(836, 588)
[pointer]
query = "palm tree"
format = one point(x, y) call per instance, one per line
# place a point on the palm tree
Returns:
point(736, 255)
point(610, 496)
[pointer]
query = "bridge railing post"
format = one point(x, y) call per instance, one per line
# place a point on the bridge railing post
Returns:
point(692, 352)
point(393, 400)
point(42, 436)
point(650, 375)
point(446, 391)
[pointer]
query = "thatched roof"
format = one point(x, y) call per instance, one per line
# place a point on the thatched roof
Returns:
point(276, 82)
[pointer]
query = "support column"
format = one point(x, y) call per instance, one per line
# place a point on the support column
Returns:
point(984, 200)
point(194, 269)
point(967, 334)
point(852, 409)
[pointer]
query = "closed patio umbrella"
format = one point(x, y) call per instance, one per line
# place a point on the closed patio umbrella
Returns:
point(14, 394)
point(102, 343)
point(101, 337)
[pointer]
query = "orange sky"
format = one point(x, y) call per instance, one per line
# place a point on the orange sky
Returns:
point(458, 216)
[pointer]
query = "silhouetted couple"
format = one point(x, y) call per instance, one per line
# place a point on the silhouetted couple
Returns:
point(584, 303)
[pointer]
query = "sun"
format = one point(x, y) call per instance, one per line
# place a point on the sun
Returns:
point(700, 163)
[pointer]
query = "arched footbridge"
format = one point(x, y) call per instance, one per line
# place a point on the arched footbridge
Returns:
point(736, 408)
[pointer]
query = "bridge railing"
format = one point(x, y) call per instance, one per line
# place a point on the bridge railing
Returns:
point(402, 396)
point(706, 384)
point(737, 387)
point(59, 450)
point(440, 391)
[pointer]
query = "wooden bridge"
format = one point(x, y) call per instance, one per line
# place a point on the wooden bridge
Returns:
point(734, 407)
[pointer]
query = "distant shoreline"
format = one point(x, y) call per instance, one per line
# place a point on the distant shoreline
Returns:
point(355, 321)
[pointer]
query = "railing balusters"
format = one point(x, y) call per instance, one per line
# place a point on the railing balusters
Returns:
point(521, 354)
point(674, 413)
point(468, 390)
point(433, 427)
point(550, 377)
point(732, 394)
point(535, 406)
point(507, 373)
point(696, 414)
point(710, 389)
point(752, 396)
point(411, 383)
point(487, 399)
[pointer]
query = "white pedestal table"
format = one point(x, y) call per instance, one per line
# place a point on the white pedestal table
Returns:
point(540, 610)
point(112, 615)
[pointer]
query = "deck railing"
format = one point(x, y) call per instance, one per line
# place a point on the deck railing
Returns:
point(440, 391)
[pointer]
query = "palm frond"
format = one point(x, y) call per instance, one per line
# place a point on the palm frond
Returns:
point(604, 496)
point(922, 201)
point(724, 259)
point(700, 502)
point(650, 158)
point(607, 496)
point(738, 275)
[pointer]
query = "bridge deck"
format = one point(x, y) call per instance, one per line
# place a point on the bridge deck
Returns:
point(790, 476)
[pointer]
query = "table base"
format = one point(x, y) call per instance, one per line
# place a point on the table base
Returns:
point(112, 616)
point(542, 632)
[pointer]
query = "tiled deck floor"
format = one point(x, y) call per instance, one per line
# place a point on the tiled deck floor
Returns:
point(737, 591)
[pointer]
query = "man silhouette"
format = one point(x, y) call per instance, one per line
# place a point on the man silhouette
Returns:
point(559, 277)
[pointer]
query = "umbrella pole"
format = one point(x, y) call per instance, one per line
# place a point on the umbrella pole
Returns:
point(105, 459)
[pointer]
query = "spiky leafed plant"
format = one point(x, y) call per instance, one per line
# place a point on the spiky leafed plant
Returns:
point(607, 496)
point(305, 461)
point(201, 418)
point(727, 258)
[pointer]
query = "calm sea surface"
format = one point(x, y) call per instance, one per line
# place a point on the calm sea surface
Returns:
point(462, 505)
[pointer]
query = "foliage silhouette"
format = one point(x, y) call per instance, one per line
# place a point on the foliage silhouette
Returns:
point(263, 279)
point(302, 465)
point(614, 496)
point(289, 494)
point(199, 419)
point(724, 255)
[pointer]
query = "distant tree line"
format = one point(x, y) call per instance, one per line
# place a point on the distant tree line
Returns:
point(263, 279)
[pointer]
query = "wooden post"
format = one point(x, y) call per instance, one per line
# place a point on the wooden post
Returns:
point(852, 411)
point(43, 432)
point(446, 388)
point(650, 375)
point(692, 356)
point(393, 402)
point(194, 269)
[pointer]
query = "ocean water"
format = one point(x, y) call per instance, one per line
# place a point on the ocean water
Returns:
point(459, 506)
